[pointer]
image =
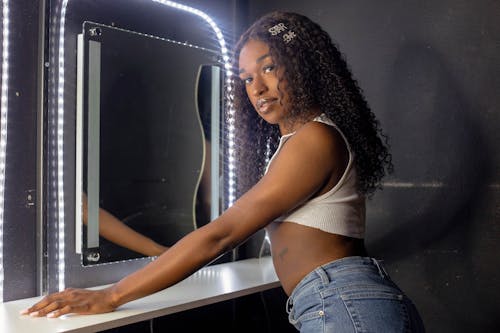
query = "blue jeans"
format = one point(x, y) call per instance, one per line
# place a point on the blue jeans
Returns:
point(352, 294)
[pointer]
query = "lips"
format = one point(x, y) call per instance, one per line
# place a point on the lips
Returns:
point(262, 104)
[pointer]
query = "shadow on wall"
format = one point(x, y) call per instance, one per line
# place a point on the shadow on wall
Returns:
point(442, 168)
point(438, 149)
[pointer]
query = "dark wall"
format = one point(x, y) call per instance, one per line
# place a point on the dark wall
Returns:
point(430, 72)
point(20, 229)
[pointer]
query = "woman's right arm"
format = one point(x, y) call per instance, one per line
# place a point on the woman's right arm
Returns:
point(296, 174)
point(181, 260)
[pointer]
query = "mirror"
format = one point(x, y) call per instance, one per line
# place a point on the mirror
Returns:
point(148, 116)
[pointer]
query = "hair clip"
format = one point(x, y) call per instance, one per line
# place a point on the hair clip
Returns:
point(277, 29)
point(289, 36)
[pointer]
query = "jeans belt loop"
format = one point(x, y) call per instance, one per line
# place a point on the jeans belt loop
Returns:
point(289, 305)
point(323, 275)
point(381, 270)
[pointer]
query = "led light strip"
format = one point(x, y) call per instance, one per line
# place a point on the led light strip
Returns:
point(60, 146)
point(228, 72)
point(3, 123)
point(60, 124)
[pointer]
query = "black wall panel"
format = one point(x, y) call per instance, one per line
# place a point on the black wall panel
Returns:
point(20, 229)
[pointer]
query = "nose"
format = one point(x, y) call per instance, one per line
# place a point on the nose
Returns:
point(259, 86)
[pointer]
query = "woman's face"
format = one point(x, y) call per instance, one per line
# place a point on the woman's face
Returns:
point(260, 76)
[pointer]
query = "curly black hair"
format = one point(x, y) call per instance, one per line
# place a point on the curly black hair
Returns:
point(317, 75)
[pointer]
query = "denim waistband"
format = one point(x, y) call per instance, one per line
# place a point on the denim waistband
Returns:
point(328, 271)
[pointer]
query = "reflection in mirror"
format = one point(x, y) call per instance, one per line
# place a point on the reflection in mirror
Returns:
point(147, 142)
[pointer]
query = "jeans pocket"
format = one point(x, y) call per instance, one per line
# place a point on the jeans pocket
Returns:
point(309, 322)
point(377, 309)
point(307, 315)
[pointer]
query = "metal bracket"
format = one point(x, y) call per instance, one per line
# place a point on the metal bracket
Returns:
point(30, 198)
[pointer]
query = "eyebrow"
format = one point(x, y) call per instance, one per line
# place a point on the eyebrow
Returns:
point(259, 59)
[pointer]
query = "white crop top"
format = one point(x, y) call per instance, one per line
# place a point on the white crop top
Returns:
point(341, 210)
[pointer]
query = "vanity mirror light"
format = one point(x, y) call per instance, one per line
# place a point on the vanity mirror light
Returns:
point(154, 75)
point(147, 148)
point(4, 98)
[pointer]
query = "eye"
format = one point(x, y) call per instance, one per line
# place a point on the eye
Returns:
point(269, 68)
point(246, 80)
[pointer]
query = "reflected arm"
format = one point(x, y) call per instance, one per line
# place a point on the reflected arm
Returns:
point(119, 233)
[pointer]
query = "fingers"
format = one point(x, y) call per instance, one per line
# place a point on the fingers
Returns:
point(64, 310)
point(71, 301)
point(34, 310)
point(45, 307)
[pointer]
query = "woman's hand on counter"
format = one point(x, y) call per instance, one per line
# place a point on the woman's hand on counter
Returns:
point(72, 300)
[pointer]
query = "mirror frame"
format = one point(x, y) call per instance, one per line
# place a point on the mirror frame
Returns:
point(92, 50)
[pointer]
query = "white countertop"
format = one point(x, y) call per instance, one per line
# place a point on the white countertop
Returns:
point(209, 285)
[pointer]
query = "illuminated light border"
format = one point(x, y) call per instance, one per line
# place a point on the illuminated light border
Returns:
point(60, 126)
point(3, 123)
point(230, 114)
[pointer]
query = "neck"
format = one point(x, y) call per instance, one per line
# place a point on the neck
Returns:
point(293, 123)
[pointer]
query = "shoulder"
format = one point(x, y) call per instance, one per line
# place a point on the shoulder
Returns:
point(315, 145)
point(319, 136)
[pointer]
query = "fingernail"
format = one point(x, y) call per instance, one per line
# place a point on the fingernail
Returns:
point(52, 314)
point(25, 311)
point(34, 314)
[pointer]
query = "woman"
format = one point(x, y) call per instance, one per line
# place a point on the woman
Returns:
point(295, 95)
